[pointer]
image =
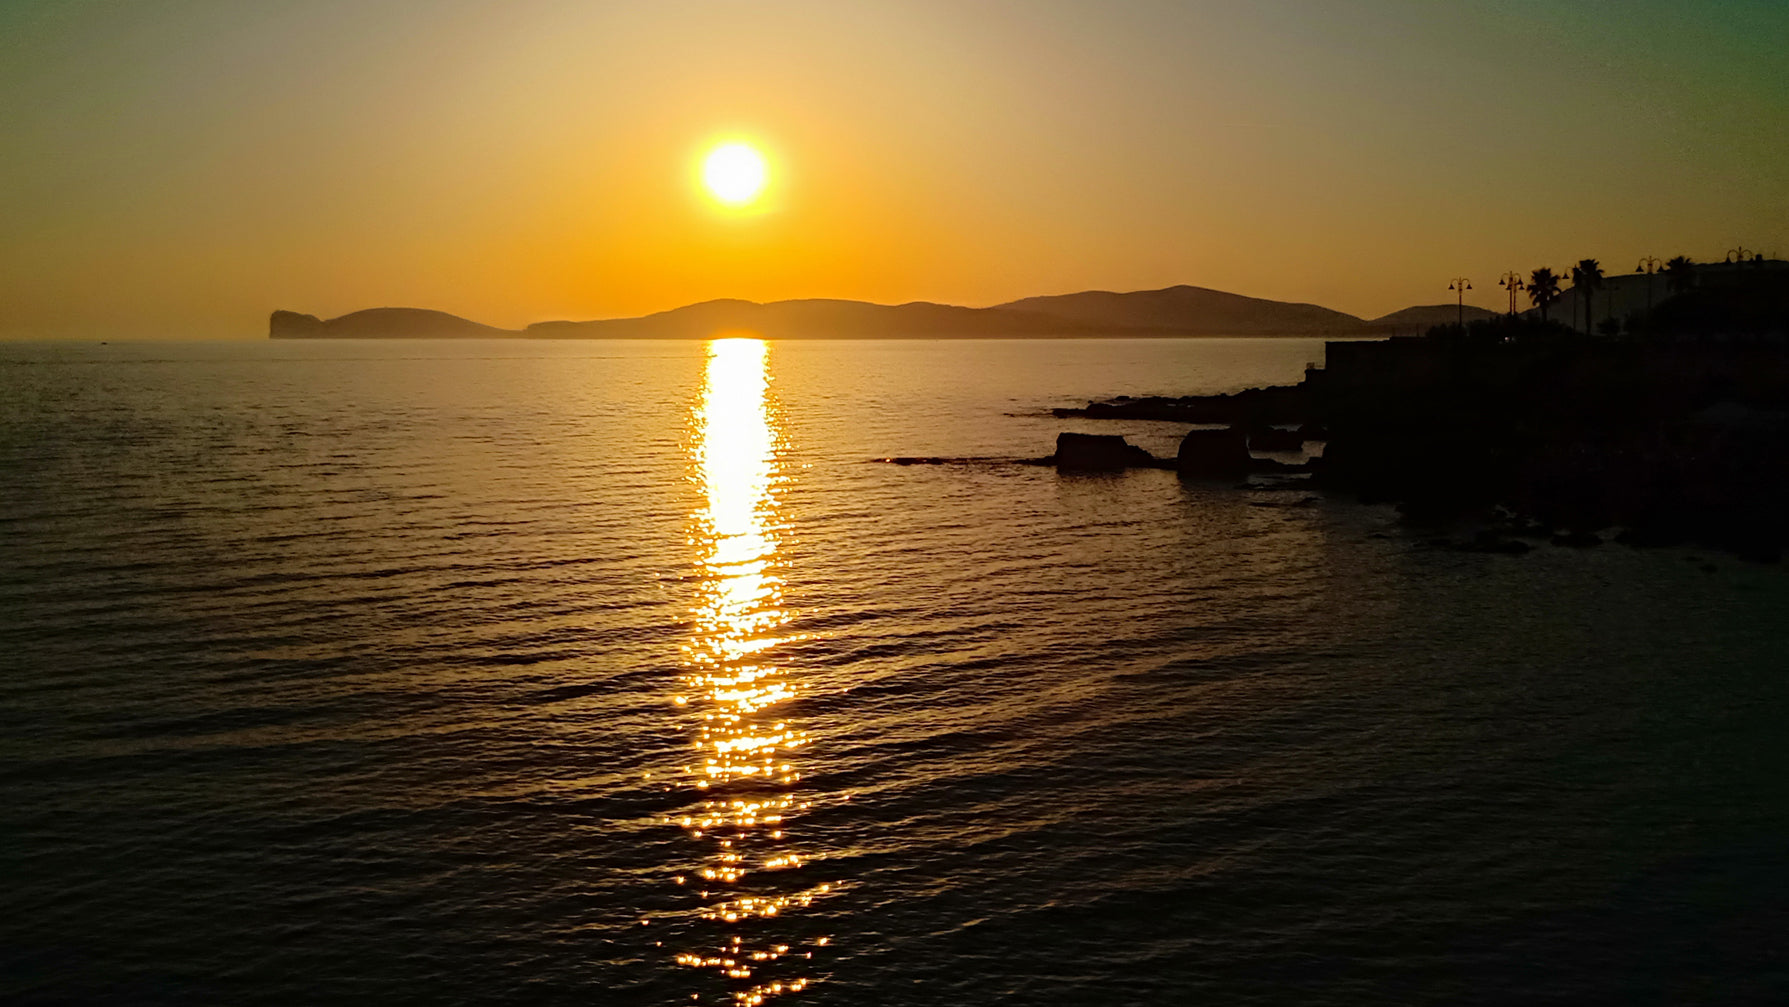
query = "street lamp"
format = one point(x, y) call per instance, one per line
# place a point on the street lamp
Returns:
point(1512, 282)
point(1649, 265)
point(1460, 285)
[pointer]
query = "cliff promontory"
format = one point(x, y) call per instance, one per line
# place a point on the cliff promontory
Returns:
point(381, 323)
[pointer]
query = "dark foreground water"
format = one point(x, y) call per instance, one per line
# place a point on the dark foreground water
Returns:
point(615, 673)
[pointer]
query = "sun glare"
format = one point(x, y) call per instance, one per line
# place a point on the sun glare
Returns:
point(735, 173)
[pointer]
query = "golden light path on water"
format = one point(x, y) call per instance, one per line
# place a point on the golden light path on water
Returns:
point(744, 768)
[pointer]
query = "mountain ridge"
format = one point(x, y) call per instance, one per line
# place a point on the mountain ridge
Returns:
point(381, 323)
point(1190, 310)
point(815, 318)
point(1425, 315)
point(1181, 310)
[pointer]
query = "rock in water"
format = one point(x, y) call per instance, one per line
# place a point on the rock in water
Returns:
point(1275, 439)
point(1099, 452)
point(1213, 454)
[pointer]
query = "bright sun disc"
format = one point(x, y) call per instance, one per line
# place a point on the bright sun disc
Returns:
point(735, 173)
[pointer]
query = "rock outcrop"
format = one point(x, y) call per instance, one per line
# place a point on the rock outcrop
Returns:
point(1275, 439)
point(1099, 453)
point(1213, 454)
point(1253, 409)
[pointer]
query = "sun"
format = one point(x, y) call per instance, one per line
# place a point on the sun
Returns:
point(735, 173)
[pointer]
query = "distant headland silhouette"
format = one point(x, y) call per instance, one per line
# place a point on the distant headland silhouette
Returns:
point(1174, 311)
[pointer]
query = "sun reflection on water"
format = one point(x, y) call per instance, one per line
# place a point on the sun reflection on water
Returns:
point(744, 772)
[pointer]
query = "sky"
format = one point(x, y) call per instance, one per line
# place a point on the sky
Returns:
point(182, 168)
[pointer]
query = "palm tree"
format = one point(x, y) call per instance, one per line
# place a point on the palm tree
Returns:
point(1680, 274)
point(1587, 276)
point(1543, 289)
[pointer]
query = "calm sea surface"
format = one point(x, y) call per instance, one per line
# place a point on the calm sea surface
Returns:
point(619, 673)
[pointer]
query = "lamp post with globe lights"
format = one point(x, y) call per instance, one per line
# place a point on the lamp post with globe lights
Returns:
point(1512, 282)
point(1460, 285)
point(1649, 265)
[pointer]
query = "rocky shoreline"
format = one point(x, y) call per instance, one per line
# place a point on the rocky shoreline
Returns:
point(1508, 440)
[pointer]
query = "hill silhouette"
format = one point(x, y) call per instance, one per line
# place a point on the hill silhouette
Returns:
point(1424, 317)
point(1186, 310)
point(1174, 311)
point(381, 323)
point(818, 319)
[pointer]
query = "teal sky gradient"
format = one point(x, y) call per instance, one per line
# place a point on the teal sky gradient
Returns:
point(181, 168)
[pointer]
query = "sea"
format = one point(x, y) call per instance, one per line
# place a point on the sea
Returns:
point(589, 672)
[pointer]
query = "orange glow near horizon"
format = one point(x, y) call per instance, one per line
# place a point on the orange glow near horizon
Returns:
point(934, 151)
